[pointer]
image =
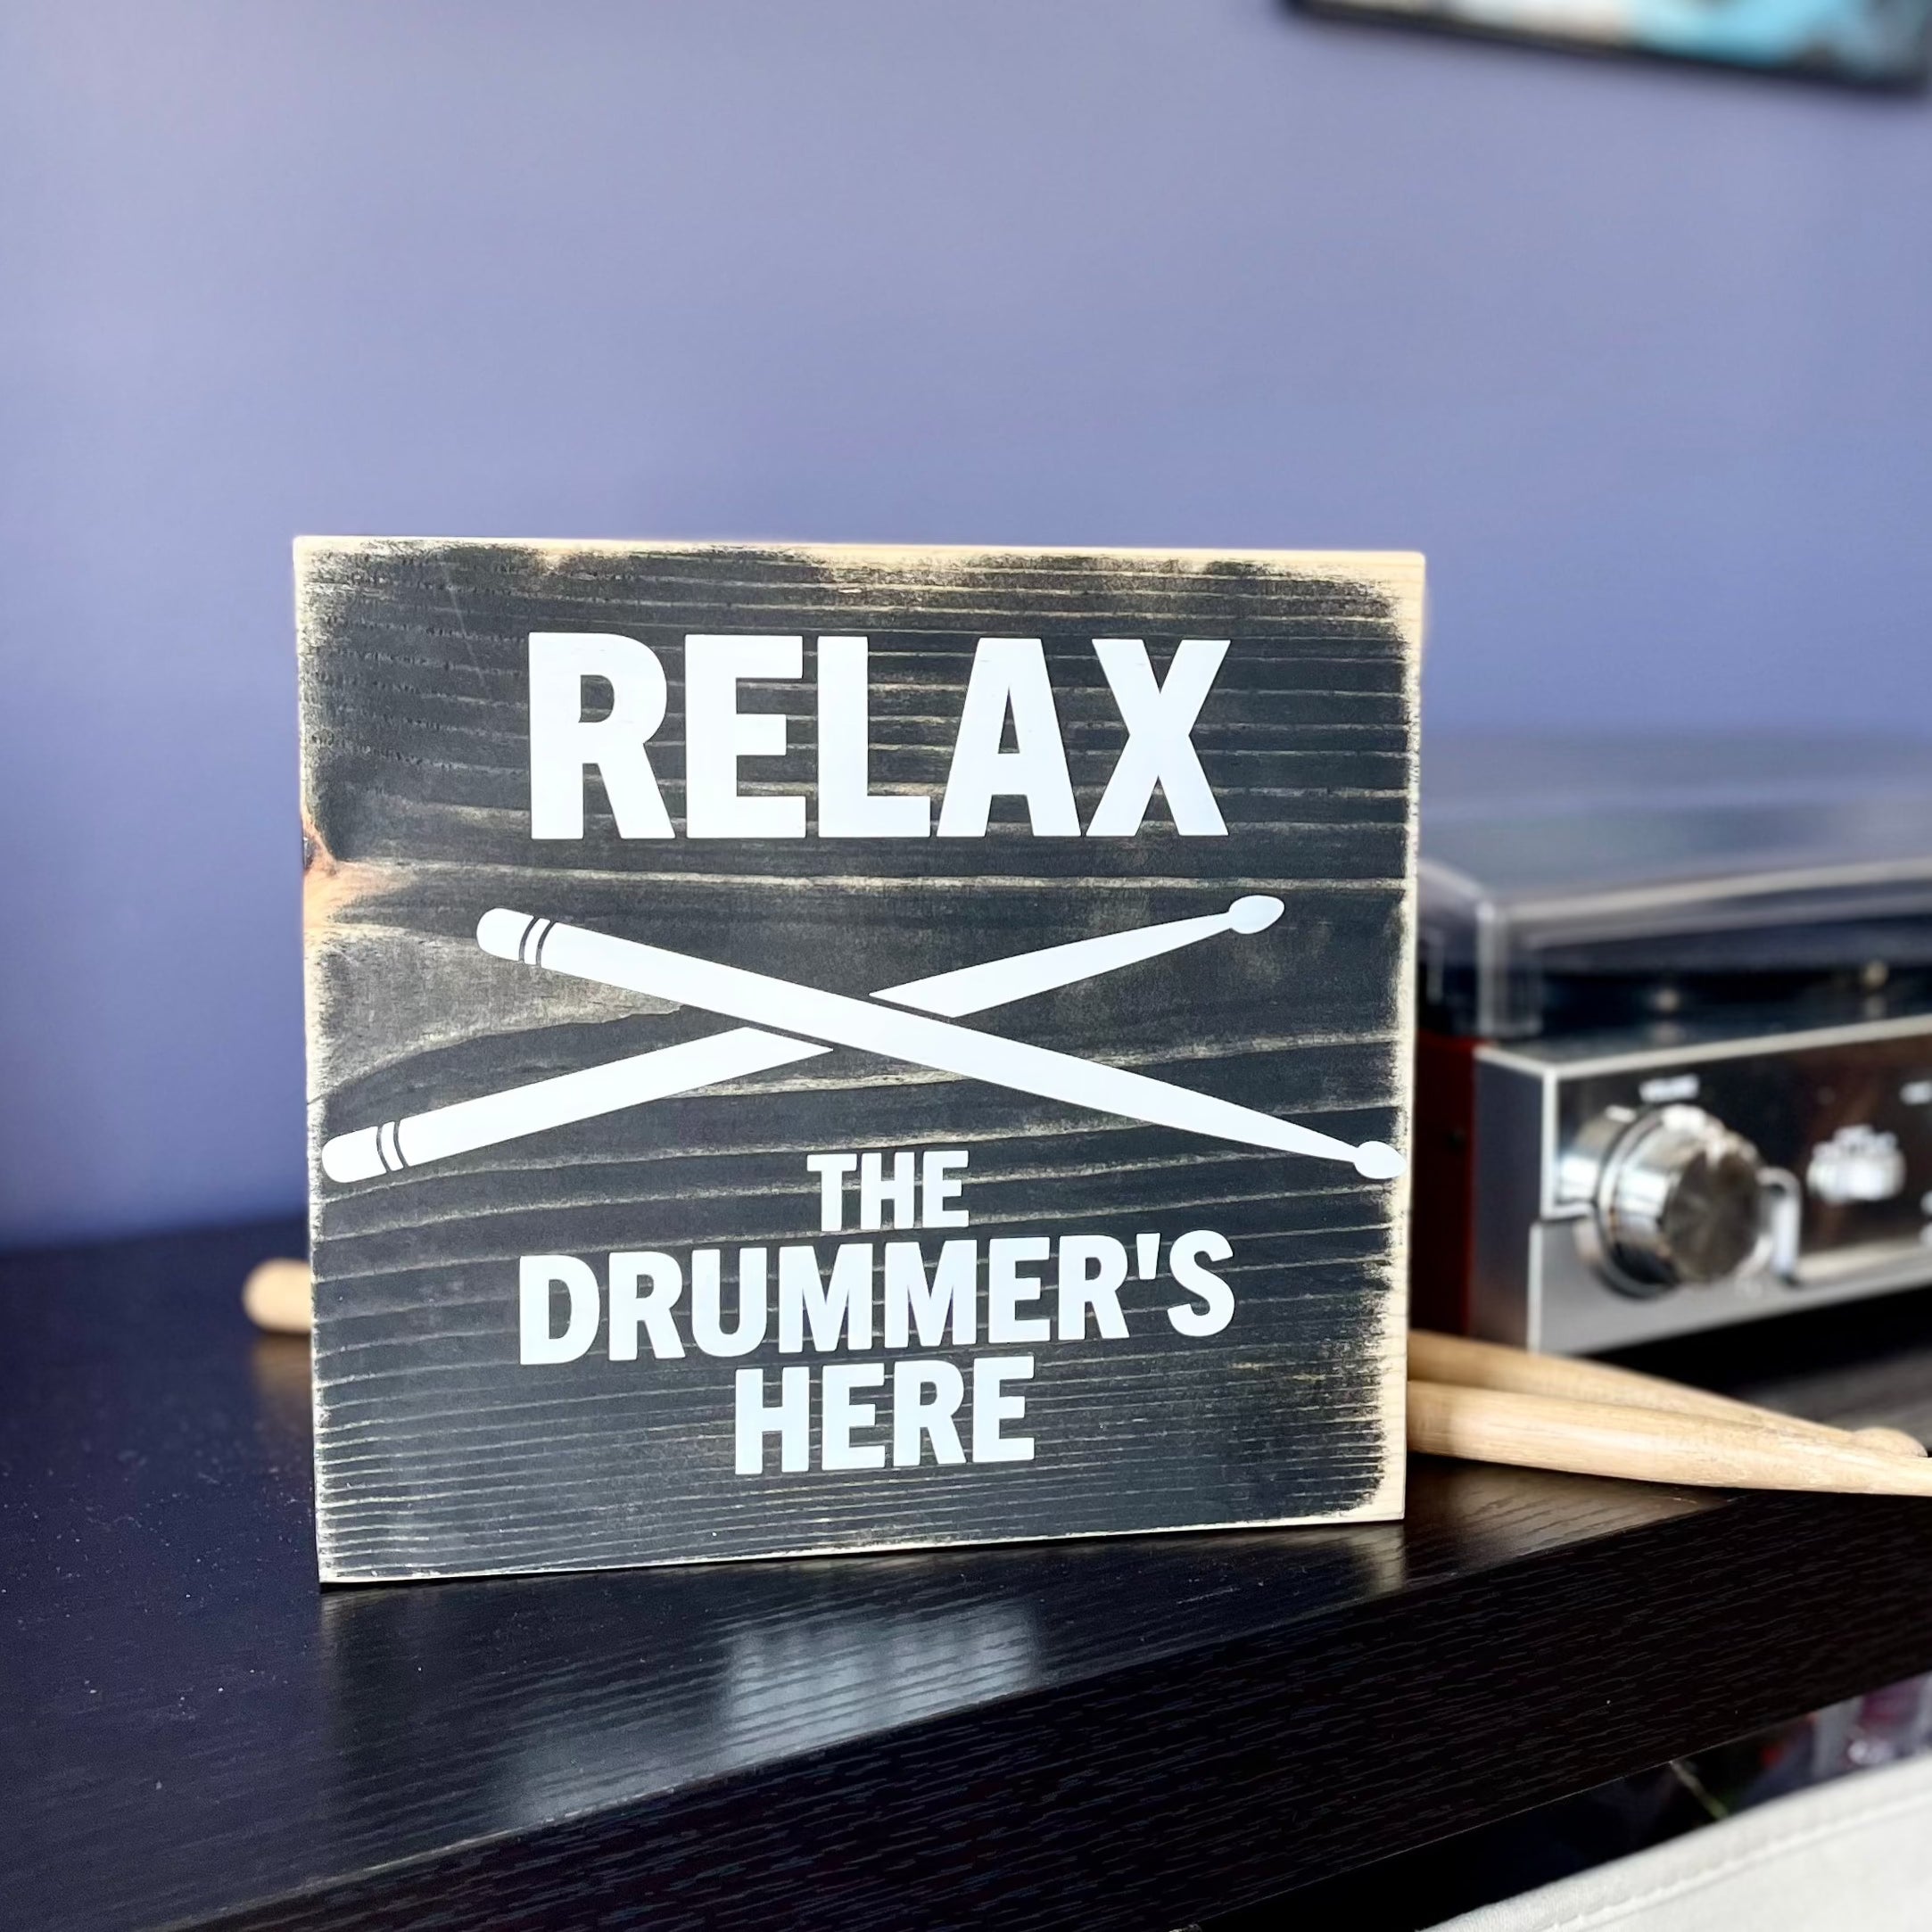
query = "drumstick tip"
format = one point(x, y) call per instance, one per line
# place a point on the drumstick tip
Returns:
point(277, 1296)
point(1376, 1161)
point(1254, 914)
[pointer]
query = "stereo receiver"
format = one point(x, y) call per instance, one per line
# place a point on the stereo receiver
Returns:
point(1675, 1068)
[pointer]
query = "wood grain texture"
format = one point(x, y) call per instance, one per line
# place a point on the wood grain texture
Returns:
point(439, 1454)
point(1122, 1732)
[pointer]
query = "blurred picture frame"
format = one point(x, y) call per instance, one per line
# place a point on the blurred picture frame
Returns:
point(1880, 44)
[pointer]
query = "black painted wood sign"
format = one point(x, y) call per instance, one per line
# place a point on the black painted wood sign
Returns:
point(821, 1049)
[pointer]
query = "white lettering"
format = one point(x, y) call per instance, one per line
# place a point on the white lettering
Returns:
point(1184, 1261)
point(842, 1415)
point(925, 1396)
point(564, 746)
point(1092, 1267)
point(937, 1185)
point(1007, 1288)
point(536, 1275)
point(910, 1301)
point(790, 1421)
point(627, 1309)
point(846, 1301)
point(832, 1171)
point(848, 808)
point(1158, 750)
point(875, 1190)
point(1009, 679)
point(717, 734)
point(992, 1407)
point(707, 1328)
point(1009, 673)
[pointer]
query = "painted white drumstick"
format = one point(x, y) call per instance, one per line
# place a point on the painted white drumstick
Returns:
point(492, 1118)
point(972, 989)
point(470, 1124)
point(738, 994)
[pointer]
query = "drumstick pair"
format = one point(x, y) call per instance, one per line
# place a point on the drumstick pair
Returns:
point(1483, 1403)
point(829, 1019)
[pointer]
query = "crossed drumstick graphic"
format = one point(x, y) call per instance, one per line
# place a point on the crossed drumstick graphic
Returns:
point(829, 1019)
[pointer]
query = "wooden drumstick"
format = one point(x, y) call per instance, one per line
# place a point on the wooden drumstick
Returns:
point(1539, 1412)
point(1457, 1360)
point(1608, 1439)
point(276, 1296)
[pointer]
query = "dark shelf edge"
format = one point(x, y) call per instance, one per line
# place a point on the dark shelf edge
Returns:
point(1198, 1783)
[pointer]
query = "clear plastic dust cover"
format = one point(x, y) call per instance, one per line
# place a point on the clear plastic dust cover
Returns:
point(1569, 885)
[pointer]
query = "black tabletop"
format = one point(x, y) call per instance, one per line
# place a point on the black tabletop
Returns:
point(1139, 1732)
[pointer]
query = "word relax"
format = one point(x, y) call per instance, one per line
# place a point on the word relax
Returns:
point(1008, 684)
point(834, 1309)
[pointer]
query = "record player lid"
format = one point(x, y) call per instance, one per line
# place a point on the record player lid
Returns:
point(1585, 881)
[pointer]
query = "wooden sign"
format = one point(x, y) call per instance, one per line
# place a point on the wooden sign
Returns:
point(826, 1049)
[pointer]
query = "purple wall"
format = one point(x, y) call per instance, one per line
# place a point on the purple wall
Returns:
point(1639, 356)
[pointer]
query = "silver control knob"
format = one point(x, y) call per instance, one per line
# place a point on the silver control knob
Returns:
point(1679, 1200)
